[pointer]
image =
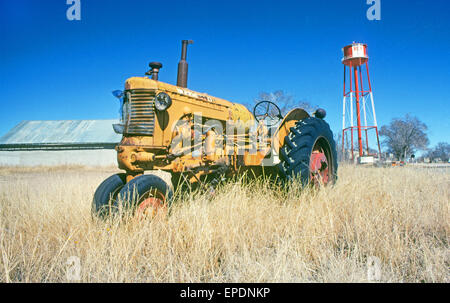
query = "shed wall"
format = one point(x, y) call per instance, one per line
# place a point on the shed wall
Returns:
point(96, 157)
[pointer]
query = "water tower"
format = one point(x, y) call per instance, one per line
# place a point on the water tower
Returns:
point(358, 99)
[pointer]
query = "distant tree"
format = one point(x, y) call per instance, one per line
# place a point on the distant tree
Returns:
point(441, 150)
point(285, 102)
point(403, 136)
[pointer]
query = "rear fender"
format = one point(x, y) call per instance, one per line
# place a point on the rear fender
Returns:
point(283, 129)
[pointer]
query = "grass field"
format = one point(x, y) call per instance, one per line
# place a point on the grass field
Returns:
point(244, 233)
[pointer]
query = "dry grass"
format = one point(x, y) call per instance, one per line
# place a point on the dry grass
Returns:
point(245, 233)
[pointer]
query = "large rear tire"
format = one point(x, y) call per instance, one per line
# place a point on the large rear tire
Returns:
point(104, 202)
point(146, 195)
point(309, 153)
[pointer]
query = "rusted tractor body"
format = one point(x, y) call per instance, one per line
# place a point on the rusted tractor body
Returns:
point(194, 135)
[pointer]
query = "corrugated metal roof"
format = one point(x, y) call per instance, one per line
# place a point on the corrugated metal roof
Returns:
point(62, 132)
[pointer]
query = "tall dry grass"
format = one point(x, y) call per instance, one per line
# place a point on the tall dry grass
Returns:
point(250, 232)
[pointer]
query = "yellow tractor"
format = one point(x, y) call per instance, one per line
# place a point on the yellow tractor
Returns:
point(199, 138)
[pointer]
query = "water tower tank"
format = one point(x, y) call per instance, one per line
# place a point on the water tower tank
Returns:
point(355, 54)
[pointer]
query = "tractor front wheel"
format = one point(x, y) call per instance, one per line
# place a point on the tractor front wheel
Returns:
point(104, 202)
point(146, 195)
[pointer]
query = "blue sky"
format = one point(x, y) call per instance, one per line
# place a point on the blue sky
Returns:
point(52, 68)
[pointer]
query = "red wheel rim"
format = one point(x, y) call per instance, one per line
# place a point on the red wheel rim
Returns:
point(318, 166)
point(151, 205)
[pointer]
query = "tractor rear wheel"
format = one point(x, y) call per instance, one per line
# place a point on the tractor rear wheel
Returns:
point(309, 153)
point(104, 202)
point(146, 195)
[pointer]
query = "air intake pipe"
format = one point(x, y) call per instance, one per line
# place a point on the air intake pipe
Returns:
point(154, 70)
point(182, 65)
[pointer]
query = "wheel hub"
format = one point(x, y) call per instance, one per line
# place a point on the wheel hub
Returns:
point(318, 167)
point(150, 206)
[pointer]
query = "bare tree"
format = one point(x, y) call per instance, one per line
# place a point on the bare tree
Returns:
point(405, 135)
point(441, 151)
point(285, 102)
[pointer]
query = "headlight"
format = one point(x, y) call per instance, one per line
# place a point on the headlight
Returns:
point(162, 101)
point(118, 94)
point(118, 128)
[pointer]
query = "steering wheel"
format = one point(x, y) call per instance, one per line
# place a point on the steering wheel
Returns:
point(269, 111)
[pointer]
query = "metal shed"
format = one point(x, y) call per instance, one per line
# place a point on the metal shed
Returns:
point(60, 142)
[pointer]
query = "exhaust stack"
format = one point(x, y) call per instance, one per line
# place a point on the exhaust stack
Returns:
point(182, 65)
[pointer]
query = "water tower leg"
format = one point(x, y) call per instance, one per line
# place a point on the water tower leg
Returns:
point(378, 141)
point(358, 114)
point(353, 156)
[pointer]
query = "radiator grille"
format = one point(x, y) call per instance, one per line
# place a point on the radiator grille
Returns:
point(141, 113)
